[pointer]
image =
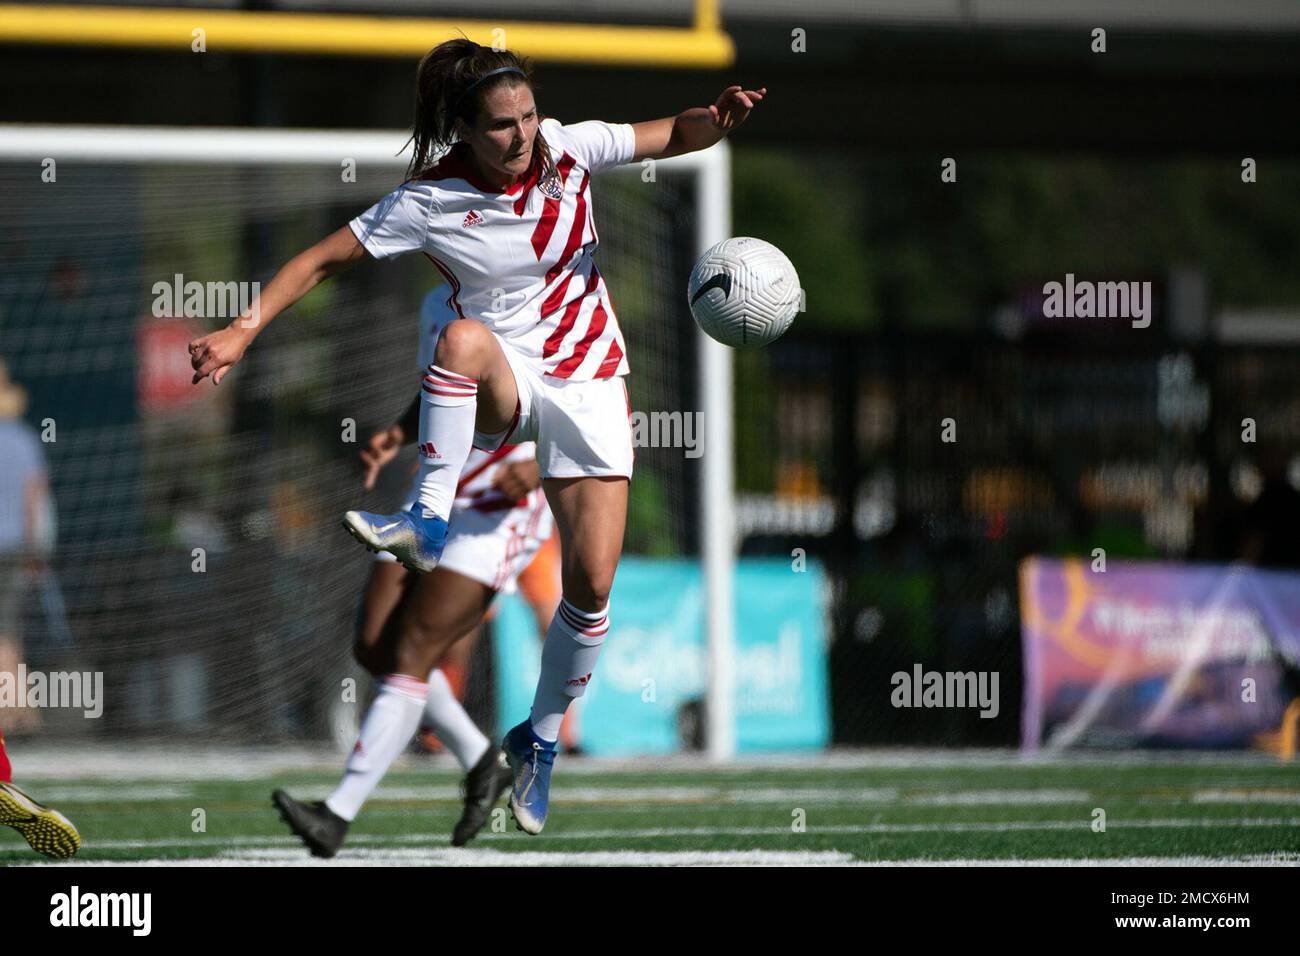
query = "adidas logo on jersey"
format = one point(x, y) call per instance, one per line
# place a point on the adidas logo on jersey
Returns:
point(472, 218)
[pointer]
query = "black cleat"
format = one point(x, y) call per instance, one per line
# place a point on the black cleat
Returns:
point(486, 781)
point(320, 828)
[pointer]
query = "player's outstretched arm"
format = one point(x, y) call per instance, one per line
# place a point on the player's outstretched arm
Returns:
point(697, 128)
point(216, 353)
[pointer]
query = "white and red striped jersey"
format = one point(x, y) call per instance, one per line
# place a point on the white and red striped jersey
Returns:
point(474, 490)
point(519, 261)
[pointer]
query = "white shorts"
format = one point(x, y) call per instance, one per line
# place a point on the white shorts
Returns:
point(493, 547)
point(581, 428)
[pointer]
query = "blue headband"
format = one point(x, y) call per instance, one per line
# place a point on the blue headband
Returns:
point(455, 110)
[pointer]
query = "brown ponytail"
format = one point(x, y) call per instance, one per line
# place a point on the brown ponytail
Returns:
point(444, 77)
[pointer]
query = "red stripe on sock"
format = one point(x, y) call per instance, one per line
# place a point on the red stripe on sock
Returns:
point(458, 389)
point(452, 376)
point(438, 391)
point(586, 625)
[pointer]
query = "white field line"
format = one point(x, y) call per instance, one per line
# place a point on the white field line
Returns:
point(1275, 796)
point(692, 795)
point(994, 798)
point(1082, 825)
point(453, 858)
point(39, 760)
point(55, 794)
point(793, 796)
point(673, 794)
point(664, 833)
point(684, 797)
point(1260, 859)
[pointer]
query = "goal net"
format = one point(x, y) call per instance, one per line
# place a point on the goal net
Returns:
point(199, 564)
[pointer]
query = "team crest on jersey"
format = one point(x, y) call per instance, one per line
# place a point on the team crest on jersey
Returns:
point(552, 186)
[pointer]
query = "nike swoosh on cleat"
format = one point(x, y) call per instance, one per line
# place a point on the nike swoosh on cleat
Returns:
point(387, 527)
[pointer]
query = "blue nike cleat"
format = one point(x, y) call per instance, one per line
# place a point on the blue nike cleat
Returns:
point(530, 760)
point(414, 540)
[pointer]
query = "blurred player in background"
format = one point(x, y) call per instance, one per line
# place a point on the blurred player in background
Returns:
point(499, 199)
point(46, 831)
point(25, 530)
point(540, 585)
point(500, 521)
point(25, 541)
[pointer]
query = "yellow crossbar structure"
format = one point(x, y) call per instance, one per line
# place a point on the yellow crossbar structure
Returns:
point(702, 46)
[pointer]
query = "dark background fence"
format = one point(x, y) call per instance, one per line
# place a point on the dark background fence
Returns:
point(1064, 443)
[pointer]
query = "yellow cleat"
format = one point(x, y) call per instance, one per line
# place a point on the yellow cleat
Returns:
point(47, 831)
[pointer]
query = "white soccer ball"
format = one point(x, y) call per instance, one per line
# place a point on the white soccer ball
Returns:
point(743, 292)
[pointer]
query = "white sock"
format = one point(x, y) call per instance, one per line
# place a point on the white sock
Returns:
point(444, 715)
point(446, 436)
point(568, 657)
point(389, 725)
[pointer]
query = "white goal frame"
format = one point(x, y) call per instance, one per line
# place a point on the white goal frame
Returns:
point(711, 172)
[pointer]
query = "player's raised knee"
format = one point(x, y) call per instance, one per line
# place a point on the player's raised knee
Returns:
point(462, 347)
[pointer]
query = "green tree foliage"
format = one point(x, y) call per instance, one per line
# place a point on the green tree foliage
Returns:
point(812, 210)
point(887, 233)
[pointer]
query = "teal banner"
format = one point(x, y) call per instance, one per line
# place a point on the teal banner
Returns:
point(647, 693)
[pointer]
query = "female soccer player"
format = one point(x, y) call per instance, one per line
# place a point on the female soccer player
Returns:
point(499, 522)
point(505, 216)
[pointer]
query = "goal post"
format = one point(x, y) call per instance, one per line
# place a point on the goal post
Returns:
point(710, 173)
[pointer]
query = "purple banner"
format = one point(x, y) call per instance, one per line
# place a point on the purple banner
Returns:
point(1155, 655)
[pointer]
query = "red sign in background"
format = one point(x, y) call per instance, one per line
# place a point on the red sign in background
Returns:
point(165, 375)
